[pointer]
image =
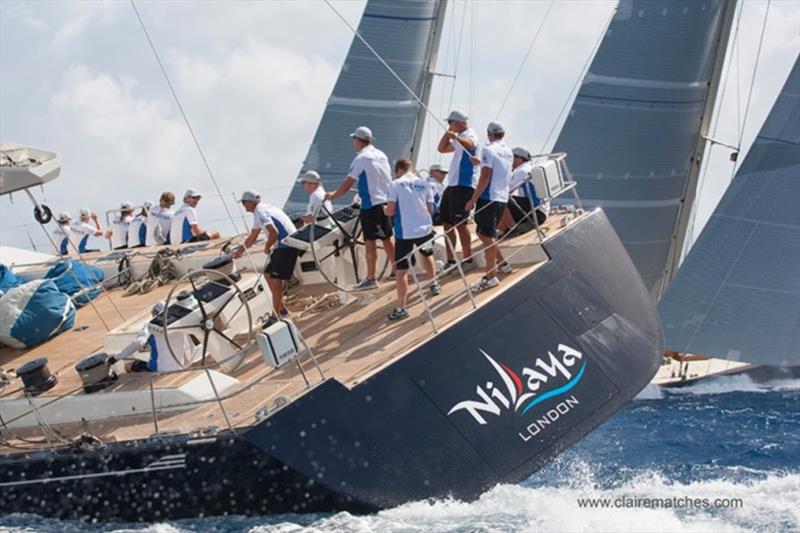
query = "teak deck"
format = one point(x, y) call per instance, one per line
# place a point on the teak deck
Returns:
point(350, 342)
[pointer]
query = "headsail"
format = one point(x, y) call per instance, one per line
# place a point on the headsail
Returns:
point(737, 294)
point(632, 134)
point(406, 35)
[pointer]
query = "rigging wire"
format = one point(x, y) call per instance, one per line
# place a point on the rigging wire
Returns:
point(189, 127)
point(703, 176)
point(525, 59)
point(581, 76)
point(457, 54)
point(753, 79)
point(386, 65)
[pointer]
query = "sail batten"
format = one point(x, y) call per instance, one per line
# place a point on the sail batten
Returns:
point(737, 293)
point(634, 130)
point(406, 35)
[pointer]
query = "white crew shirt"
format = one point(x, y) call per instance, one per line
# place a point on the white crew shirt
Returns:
point(181, 225)
point(462, 171)
point(522, 187)
point(268, 215)
point(371, 170)
point(63, 234)
point(81, 231)
point(497, 156)
point(137, 231)
point(316, 200)
point(411, 195)
point(119, 232)
point(159, 222)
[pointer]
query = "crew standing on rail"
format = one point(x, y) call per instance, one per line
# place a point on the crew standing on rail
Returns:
point(159, 220)
point(282, 257)
point(312, 183)
point(489, 199)
point(82, 230)
point(371, 171)
point(410, 203)
point(184, 226)
point(525, 202)
point(462, 142)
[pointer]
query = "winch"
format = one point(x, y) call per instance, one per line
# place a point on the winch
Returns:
point(96, 372)
point(36, 377)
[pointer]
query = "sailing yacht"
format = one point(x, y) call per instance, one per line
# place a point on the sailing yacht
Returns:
point(636, 136)
point(331, 408)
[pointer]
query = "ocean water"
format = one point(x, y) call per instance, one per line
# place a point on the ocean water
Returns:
point(729, 440)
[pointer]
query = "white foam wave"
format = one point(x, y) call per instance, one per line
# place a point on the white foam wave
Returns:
point(768, 504)
point(741, 383)
point(650, 392)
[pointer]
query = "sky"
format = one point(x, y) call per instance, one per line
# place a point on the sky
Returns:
point(79, 78)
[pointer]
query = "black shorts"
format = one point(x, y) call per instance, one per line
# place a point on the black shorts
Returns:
point(375, 224)
point(403, 247)
point(520, 209)
point(452, 205)
point(281, 263)
point(487, 216)
point(202, 237)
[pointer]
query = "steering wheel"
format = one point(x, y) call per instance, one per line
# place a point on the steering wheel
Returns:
point(348, 242)
point(212, 324)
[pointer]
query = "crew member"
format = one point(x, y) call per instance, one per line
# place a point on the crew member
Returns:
point(137, 230)
point(410, 203)
point(312, 183)
point(371, 170)
point(282, 257)
point(462, 142)
point(184, 226)
point(118, 233)
point(159, 359)
point(82, 230)
point(436, 180)
point(525, 200)
point(490, 197)
point(63, 232)
point(159, 220)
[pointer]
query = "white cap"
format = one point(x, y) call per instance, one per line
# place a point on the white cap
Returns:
point(63, 216)
point(84, 212)
point(249, 196)
point(311, 176)
point(158, 308)
point(439, 167)
point(521, 151)
point(191, 193)
point(457, 116)
point(495, 127)
point(125, 206)
point(147, 204)
point(363, 133)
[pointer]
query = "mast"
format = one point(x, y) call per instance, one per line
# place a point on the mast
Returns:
point(436, 37)
point(696, 160)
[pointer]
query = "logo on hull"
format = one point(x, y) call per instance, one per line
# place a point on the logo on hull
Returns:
point(565, 370)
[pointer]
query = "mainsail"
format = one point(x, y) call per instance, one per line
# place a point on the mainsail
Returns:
point(737, 294)
point(406, 35)
point(633, 134)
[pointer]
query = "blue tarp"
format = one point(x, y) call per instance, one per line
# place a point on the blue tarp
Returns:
point(33, 312)
point(8, 280)
point(81, 277)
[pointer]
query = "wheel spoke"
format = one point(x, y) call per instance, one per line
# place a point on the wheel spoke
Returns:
point(219, 311)
point(230, 340)
point(227, 322)
point(206, 335)
point(199, 300)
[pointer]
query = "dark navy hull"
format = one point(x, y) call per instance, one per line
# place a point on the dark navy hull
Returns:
point(489, 400)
